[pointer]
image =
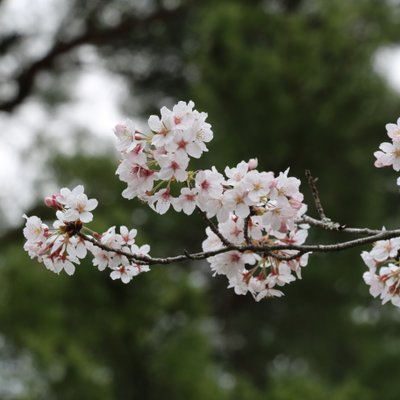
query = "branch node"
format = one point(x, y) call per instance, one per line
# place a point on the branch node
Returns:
point(188, 255)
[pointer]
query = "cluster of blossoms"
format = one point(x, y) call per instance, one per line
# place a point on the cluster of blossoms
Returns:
point(383, 261)
point(389, 153)
point(152, 162)
point(383, 276)
point(251, 208)
point(257, 237)
point(65, 244)
point(257, 209)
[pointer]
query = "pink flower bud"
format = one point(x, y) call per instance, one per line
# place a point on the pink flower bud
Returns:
point(52, 201)
point(252, 163)
point(138, 135)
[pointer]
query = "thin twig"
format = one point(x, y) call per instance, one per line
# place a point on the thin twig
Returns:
point(246, 229)
point(212, 226)
point(287, 257)
point(188, 255)
point(329, 225)
point(137, 258)
point(312, 183)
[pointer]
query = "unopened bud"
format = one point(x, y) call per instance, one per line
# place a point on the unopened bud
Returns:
point(52, 201)
point(138, 135)
point(252, 163)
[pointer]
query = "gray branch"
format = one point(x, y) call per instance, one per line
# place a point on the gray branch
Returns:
point(275, 251)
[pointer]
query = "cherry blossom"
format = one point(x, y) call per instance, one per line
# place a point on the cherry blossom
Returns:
point(127, 236)
point(249, 207)
point(236, 174)
point(238, 197)
point(209, 184)
point(123, 272)
point(256, 220)
point(77, 206)
point(187, 201)
point(161, 201)
point(173, 166)
point(128, 136)
point(35, 230)
point(393, 130)
point(389, 154)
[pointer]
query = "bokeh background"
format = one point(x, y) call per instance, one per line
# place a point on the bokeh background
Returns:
point(299, 83)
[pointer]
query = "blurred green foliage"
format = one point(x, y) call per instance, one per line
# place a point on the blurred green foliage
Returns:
point(292, 83)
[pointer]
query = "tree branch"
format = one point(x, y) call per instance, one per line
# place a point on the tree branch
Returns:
point(246, 229)
point(312, 183)
point(212, 226)
point(274, 251)
point(335, 226)
point(100, 37)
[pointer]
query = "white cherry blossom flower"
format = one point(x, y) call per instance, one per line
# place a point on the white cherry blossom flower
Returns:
point(236, 174)
point(389, 154)
point(238, 284)
point(57, 263)
point(35, 230)
point(200, 133)
point(123, 272)
point(280, 276)
point(369, 260)
point(260, 289)
point(140, 178)
point(258, 184)
point(393, 130)
point(284, 186)
point(128, 136)
point(279, 213)
point(375, 284)
point(238, 197)
point(161, 201)
point(230, 263)
point(209, 184)
point(233, 229)
point(127, 236)
point(173, 166)
point(101, 258)
point(212, 242)
point(77, 205)
point(218, 207)
point(171, 120)
point(141, 251)
point(384, 249)
point(186, 202)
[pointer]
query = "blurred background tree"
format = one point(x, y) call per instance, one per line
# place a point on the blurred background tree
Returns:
point(292, 83)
